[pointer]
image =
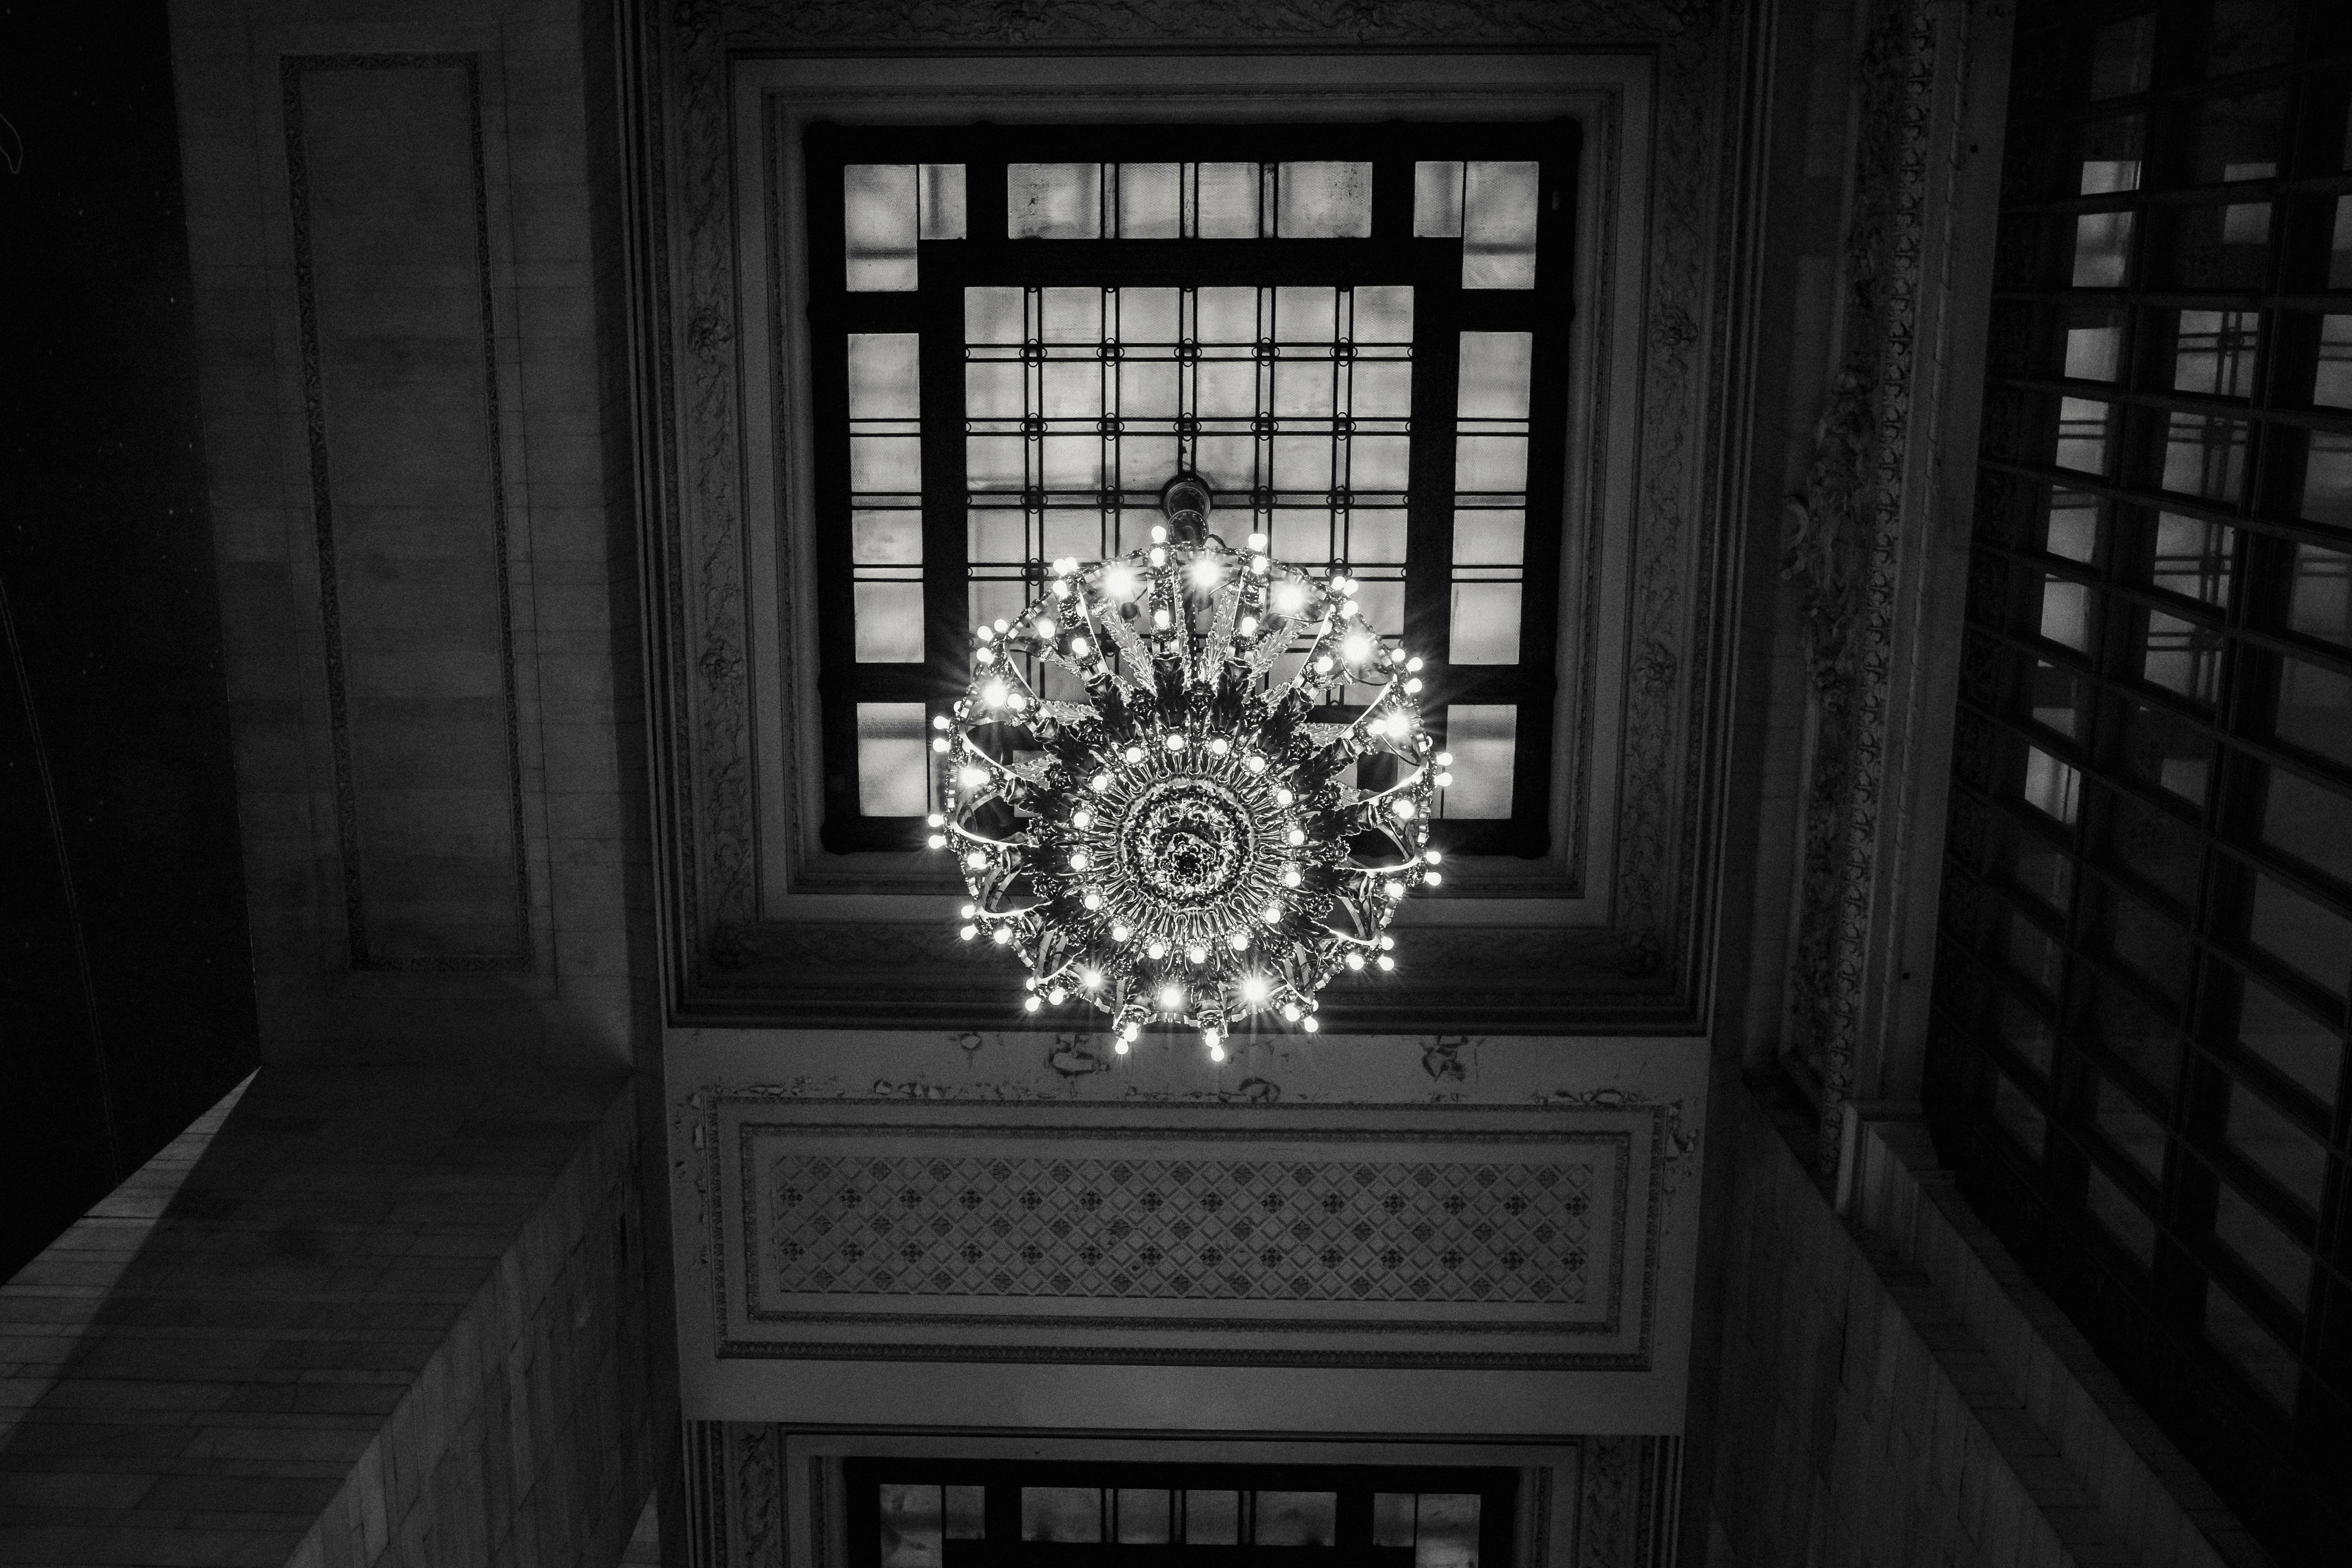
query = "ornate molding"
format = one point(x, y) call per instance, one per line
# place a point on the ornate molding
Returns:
point(1846, 533)
point(1032, 24)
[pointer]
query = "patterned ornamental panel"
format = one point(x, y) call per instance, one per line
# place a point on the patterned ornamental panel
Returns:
point(1215, 1230)
point(1429, 1235)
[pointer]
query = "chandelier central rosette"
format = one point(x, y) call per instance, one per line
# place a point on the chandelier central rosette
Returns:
point(1156, 803)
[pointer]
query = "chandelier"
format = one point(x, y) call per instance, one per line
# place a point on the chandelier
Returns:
point(1183, 844)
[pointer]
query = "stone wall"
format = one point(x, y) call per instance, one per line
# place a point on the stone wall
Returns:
point(347, 1320)
point(1895, 1397)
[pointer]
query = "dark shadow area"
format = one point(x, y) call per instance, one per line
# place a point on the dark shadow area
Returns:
point(126, 985)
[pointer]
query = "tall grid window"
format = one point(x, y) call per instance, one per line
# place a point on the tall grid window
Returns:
point(1354, 334)
point(2138, 1059)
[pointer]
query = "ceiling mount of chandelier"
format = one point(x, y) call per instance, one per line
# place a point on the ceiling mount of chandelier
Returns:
point(1182, 843)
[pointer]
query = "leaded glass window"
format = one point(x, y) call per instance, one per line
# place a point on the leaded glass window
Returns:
point(1356, 334)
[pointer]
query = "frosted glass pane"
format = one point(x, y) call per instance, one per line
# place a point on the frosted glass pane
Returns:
point(2102, 241)
point(2052, 787)
point(1382, 600)
point(884, 381)
point(1143, 1517)
point(1393, 1518)
point(1074, 462)
point(1447, 1532)
point(1225, 201)
point(1072, 315)
point(942, 202)
point(992, 315)
point(1054, 201)
point(1324, 201)
point(1147, 389)
point(893, 769)
point(1436, 201)
point(1498, 225)
point(1225, 389)
point(1496, 368)
point(889, 622)
point(1225, 315)
point(996, 535)
point(910, 1523)
point(1489, 538)
point(878, 225)
point(1145, 462)
point(1483, 739)
point(1486, 623)
point(2074, 529)
point(2327, 477)
point(1061, 1513)
point(1378, 463)
point(886, 538)
point(994, 389)
point(1212, 1519)
point(1302, 462)
point(2290, 1041)
point(1071, 530)
point(1380, 389)
point(1383, 314)
point(1296, 1518)
point(966, 1513)
point(1151, 201)
point(997, 599)
point(2246, 1342)
point(1490, 464)
point(994, 462)
point(885, 464)
point(1376, 536)
point(1304, 315)
point(1072, 389)
point(1149, 315)
point(1228, 462)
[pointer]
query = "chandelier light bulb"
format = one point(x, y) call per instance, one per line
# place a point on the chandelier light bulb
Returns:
point(1433, 878)
point(1445, 759)
point(1177, 805)
point(940, 743)
point(1120, 1046)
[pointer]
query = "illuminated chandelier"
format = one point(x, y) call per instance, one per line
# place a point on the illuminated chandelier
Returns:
point(1184, 844)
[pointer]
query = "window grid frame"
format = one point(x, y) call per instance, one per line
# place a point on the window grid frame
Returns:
point(1442, 309)
point(2042, 1193)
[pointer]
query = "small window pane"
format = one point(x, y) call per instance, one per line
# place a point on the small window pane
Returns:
point(2129, 1131)
point(1052, 201)
point(2121, 1219)
point(911, 1526)
point(2082, 425)
point(2167, 752)
point(2314, 709)
point(1143, 1517)
point(1225, 201)
point(884, 379)
point(942, 201)
point(2299, 934)
point(1436, 201)
point(1061, 1513)
point(1484, 740)
point(886, 465)
point(2321, 605)
point(2050, 786)
point(2267, 1364)
point(2309, 1053)
point(1383, 314)
point(993, 315)
point(1485, 628)
point(1151, 201)
point(1296, 1518)
point(1490, 465)
point(2194, 558)
point(2066, 612)
point(2308, 822)
point(2121, 55)
point(893, 766)
point(1489, 537)
point(1377, 536)
point(2331, 384)
point(2073, 528)
point(1324, 201)
point(2327, 478)
point(2213, 353)
point(2205, 456)
point(2275, 1146)
point(2263, 1246)
point(886, 538)
point(1447, 1533)
point(1498, 225)
point(2101, 243)
point(1393, 1518)
point(1212, 1519)
point(1497, 369)
point(889, 622)
point(2094, 352)
point(878, 226)
point(967, 1513)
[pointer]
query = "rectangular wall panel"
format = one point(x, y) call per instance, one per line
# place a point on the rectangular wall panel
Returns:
point(390, 236)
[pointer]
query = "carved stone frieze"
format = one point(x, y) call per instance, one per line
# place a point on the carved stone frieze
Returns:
point(1846, 533)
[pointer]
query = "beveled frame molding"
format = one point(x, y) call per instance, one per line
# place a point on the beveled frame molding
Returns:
point(1631, 954)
